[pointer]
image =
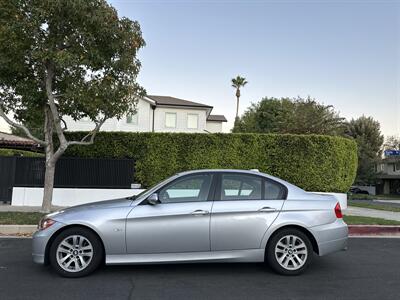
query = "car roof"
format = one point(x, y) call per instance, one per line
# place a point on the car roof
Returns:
point(251, 172)
point(222, 170)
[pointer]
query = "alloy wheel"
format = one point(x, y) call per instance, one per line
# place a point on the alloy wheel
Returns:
point(74, 253)
point(291, 252)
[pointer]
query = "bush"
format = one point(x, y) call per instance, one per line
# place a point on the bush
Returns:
point(313, 162)
point(15, 152)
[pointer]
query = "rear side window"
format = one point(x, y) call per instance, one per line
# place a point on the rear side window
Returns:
point(240, 187)
point(273, 191)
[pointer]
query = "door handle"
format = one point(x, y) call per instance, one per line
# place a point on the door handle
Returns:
point(267, 209)
point(200, 212)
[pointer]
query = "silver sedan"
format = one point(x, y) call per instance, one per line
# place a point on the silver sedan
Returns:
point(196, 216)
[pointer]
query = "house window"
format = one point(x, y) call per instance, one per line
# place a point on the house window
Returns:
point(132, 119)
point(170, 120)
point(193, 121)
point(396, 167)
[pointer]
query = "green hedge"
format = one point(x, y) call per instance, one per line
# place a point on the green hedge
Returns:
point(16, 152)
point(313, 162)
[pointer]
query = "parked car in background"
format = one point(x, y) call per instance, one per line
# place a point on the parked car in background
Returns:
point(196, 216)
point(356, 190)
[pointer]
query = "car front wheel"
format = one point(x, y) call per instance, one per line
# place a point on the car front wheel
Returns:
point(76, 252)
point(289, 252)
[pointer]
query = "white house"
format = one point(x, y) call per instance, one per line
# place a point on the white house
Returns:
point(160, 114)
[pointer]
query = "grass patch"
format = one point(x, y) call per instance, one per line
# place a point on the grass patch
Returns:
point(374, 206)
point(360, 197)
point(20, 218)
point(372, 197)
point(356, 220)
point(388, 197)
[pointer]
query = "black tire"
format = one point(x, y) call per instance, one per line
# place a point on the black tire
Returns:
point(97, 257)
point(272, 260)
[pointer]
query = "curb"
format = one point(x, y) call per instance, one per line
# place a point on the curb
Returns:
point(374, 230)
point(17, 229)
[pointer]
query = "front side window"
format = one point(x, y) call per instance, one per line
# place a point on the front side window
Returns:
point(240, 187)
point(191, 188)
point(170, 120)
point(192, 121)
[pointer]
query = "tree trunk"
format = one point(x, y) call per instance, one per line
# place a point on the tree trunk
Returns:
point(48, 185)
point(237, 108)
point(50, 163)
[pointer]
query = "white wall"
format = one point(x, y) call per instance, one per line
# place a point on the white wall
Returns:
point(144, 123)
point(4, 126)
point(213, 126)
point(181, 119)
point(24, 196)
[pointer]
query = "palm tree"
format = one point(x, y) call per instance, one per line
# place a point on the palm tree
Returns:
point(238, 83)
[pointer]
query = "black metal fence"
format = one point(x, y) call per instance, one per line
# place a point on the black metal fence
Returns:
point(70, 173)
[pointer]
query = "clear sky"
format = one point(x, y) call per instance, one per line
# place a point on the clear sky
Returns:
point(344, 53)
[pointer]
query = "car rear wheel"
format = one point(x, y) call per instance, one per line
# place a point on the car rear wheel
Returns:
point(76, 252)
point(289, 252)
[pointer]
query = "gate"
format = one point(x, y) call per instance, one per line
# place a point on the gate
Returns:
point(16, 171)
point(7, 177)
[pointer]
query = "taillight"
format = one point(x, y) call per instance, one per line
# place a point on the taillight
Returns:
point(338, 211)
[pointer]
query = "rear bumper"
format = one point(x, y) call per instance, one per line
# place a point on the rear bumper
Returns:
point(331, 237)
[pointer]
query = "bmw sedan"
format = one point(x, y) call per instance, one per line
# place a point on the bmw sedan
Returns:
point(196, 216)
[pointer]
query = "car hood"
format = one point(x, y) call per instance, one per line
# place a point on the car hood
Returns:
point(123, 202)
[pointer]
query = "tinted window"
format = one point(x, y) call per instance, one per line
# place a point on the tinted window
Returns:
point(188, 189)
point(273, 191)
point(240, 187)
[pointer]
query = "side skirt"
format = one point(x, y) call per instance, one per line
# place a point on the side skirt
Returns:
point(252, 255)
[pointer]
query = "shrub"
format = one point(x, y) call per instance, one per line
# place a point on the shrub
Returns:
point(16, 152)
point(313, 162)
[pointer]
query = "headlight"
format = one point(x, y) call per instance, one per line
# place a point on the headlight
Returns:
point(45, 223)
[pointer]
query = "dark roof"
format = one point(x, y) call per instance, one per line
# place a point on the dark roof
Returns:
point(10, 139)
point(217, 118)
point(166, 100)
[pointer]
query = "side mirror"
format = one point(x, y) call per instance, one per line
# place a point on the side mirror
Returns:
point(153, 199)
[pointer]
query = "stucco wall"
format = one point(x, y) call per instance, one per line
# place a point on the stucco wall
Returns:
point(213, 127)
point(145, 119)
point(181, 119)
point(4, 126)
point(143, 124)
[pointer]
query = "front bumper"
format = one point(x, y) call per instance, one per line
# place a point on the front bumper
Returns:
point(40, 240)
point(331, 237)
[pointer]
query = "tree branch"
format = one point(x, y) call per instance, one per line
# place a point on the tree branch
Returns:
point(24, 128)
point(91, 134)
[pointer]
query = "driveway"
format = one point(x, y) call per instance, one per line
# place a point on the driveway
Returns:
point(368, 270)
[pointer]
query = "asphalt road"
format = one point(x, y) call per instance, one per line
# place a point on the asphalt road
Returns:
point(370, 269)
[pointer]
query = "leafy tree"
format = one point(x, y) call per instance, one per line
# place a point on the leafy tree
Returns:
point(238, 83)
point(392, 143)
point(287, 115)
point(366, 132)
point(65, 58)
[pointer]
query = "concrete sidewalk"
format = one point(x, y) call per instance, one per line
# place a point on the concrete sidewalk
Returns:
point(372, 213)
